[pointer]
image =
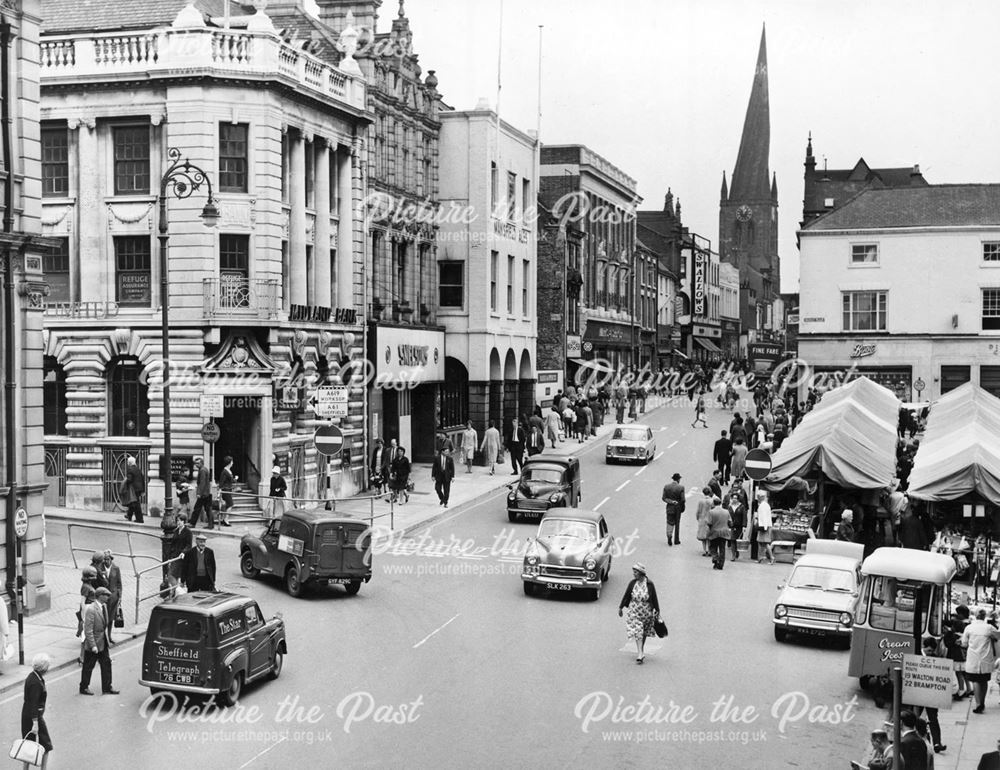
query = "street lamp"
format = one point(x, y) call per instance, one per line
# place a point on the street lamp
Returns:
point(181, 179)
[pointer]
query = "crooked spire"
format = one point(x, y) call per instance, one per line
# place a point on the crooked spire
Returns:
point(751, 177)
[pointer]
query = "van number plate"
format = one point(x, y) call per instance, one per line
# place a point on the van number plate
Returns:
point(176, 678)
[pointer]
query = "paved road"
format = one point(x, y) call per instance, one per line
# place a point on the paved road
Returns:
point(441, 661)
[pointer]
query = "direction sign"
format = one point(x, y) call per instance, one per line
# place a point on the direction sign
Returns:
point(329, 440)
point(329, 401)
point(758, 464)
point(927, 681)
point(210, 432)
point(20, 522)
point(212, 405)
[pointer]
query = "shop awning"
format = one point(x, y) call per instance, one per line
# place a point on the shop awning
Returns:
point(960, 451)
point(850, 436)
point(710, 346)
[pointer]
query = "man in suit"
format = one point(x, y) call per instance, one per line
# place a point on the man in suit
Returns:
point(132, 489)
point(199, 567)
point(203, 494)
point(913, 749)
point(443, 471)
point(723, 455)
point(990, 760)
point(379, 466)
point(516, 446)
point(113, 576)
point(97, 640)
point(674, 497)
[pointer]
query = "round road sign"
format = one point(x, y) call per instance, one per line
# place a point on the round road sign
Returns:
point(758, 464)
point(210, 432)
point(329, 440)
point(20, 522)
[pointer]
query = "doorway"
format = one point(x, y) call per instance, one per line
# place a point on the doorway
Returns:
point(239, 438)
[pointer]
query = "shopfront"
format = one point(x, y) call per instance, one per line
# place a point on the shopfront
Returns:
point(611, 342)
point(703, 343)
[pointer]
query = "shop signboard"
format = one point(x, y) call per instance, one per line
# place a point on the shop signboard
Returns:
point(408, 356)
point(927, 681)
point(549, 383)
point(134, 289)
point(700, 268)
point(573, 348)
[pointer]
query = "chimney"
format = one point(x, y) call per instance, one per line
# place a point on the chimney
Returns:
point(915, 173)
point(333, 13)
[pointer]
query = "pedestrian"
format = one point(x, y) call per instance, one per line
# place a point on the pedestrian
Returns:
point(699, 412)
point(912, 533)
point(643, 609)
point(97, 638)
point(552, 423)
point(719, 533)
point(399, 477)
point(990, 760)
point(715, 483)
point(202, 493)
point(722, 454)
point(180, 544)
point(736, 504)
point(113, 579)
point(737, 430)
point(536, 441)
point(569, 420)
point(931, 650)
point(33, 709)
point(881, 755)
point(674, 497)
point(97, 562)
point(226, 481)
point(516, 447)
point(5, 654)
point(582, 433)
point(88, 594)
point(912, 747)
point(470, 440)
point(979, 640)
point(132, 489)
point(738, 462)
point(701, 516)
point(276, 492)
point(199, 566)
point(619, 404)
point(490, 447)
point(588, 413)
point(764, 522)
point(379, 467)
point(845, 530)
point(443, 471)
point(183, 486)
point(954, 628)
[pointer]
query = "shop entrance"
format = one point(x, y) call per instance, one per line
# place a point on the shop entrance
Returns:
point(240, 438)
point(423, 427)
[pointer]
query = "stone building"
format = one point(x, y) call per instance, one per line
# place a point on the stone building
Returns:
point(263, 305)
point(662, 231)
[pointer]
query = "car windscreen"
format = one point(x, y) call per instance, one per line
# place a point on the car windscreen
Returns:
point(630, 434)
point(180, 628)
point(828, 579)
point(571, 530)
point(546, 475)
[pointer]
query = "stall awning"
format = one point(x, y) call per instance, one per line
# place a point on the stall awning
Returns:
point(710, 346)
point(850, 436)
point(960, 451)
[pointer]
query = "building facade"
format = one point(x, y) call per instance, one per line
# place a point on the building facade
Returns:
point(486, 264)
point(701, 322)
point(22, 297)
point(580, 186)
point(263, 306)
point(663, 232)
point(729, 311)
point(866, 306)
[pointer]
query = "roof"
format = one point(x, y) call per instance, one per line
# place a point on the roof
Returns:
point(204, 602)
point(296, 24)
point(576, 514)
point(837, 548)
point(946, 205)
point(549, 460)
point(828, 561)
point(910, 564)
point(321, 517)
point(62, 16)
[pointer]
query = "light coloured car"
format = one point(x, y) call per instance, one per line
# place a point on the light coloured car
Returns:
point(631, 443)
point(821, 593)
point(572, 549)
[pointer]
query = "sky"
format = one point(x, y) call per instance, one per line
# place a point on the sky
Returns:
point(660, 87)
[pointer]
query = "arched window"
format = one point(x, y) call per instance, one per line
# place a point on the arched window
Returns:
point(54, 397)
point(128, 399)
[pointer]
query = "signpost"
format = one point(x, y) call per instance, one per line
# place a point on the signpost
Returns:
point(919, 386)
point(21, 530)
point(758, 464)
point(210, 432)
point(329, 401)
point(927, 681)
point(212, 405)
point(329, 440)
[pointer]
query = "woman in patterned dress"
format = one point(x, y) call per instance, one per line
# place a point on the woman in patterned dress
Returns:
point(642, 609)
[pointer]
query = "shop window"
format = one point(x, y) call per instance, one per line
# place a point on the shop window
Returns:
point(131, 147)
point(55, 162)
point(55, 265)
point(451, 284)
point(132, 271)
point(128, 399)
point(233, 157)
point(953, 376)
point(991, 309)
point(864, 311)
point(54, 397)
point(989, 379)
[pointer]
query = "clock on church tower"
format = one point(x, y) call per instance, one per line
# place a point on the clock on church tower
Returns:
point(744, 213)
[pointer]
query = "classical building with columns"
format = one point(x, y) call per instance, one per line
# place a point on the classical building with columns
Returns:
point(263, 305)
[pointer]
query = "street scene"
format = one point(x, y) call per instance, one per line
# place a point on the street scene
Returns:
point(437, 384)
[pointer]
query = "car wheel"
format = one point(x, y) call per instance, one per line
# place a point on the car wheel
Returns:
point(512, 516)
point(292, 583)
point(277, 663)
point(529, 589)
point(246, 565)
point(780, 634)
point(231, 694)
point(607, 572)
point(352, 587)
point(595, 594)
point(864, 682)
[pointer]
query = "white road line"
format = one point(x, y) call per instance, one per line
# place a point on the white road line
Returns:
point(601, 503)
point(672, 445)
point(663, 429)
point(661, 453)
point(621, 486)
point(432, 633)
point(262, 753)
point(640, 470)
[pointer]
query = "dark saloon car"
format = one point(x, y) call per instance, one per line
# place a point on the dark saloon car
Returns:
point(571, 550)
point(546, 482)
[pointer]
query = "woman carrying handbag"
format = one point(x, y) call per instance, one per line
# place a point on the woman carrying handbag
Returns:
point(643, 610)
point(33, 727)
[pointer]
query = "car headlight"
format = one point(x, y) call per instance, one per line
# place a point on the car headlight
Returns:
point(846, 619)
point(590, 563)
point(780, 611)
point(642, 452)
point(531, 560)
point(512, 496)
point(590, 575)
point(555, 497)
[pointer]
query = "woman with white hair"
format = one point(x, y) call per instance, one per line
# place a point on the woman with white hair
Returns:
point(33, 710)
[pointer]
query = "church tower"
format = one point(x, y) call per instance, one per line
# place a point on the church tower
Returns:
point(748, 209)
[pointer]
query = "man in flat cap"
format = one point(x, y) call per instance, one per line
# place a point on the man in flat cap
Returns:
point(199, 566)
point(97, 641)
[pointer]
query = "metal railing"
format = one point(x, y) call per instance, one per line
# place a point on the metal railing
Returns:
point(242, 297)
point(341, 505)
point(159, 594)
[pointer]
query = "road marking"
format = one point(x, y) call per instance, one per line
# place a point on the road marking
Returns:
point(640, 470)
point(433, 632)
point(663, 429)
point(621, 486)
point(601, 503)
point(672, 445)
point(661, 453)
point(262, 753)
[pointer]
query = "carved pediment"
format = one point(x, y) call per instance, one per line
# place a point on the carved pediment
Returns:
point(240, 353)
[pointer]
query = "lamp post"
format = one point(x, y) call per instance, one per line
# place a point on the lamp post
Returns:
point(180, 180)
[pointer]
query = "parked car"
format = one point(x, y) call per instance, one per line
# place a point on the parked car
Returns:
point(546, 482)
point(572, 549)
point(820, 594)
point(631, 443)
point(307, 548)
point(211, 644)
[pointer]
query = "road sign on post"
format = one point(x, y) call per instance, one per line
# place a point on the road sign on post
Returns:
point(210, 432)
point(20, 523)
point(212, 405)
point(927, 681)
point(329, 401)
point(758, 464)
point(329, 440)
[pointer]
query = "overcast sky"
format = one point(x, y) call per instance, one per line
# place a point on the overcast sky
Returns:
point(660, 87)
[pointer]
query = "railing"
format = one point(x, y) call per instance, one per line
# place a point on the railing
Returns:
point(126, 50)
point(234, 297)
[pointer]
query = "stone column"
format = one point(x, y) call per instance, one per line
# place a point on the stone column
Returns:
point(266, 459)
point(86, 421)
point(297, 278)
point(496, 403)
point(345, 230)
point(97, 274)
point(321, 242)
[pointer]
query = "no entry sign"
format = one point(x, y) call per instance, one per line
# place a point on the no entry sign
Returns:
point(758, 464)
point(329, 440)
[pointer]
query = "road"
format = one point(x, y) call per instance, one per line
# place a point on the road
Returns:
point(442, 661)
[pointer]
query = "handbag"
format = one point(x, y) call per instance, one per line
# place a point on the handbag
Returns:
point(28, 751)
point(660, 628)
point(119, 618)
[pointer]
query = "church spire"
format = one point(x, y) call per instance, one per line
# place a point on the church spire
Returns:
point(774, 187)
point(724, 196)
point(750, 177)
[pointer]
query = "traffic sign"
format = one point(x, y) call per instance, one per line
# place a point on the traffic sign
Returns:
point(329, 440)
point(20, 522)
point(210, 432)
point(758, 464)
point(927, 681)
point(329, 401)
point(212, 405)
